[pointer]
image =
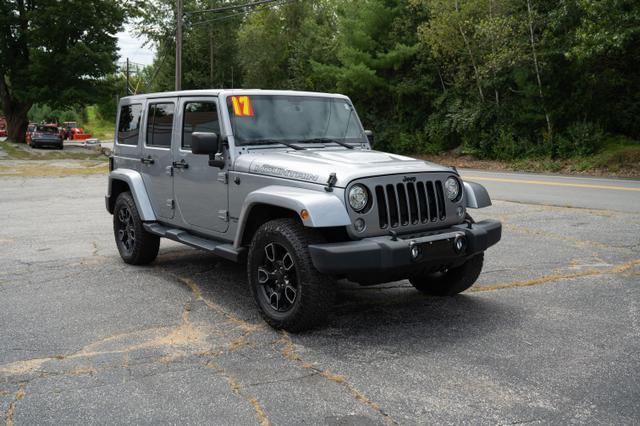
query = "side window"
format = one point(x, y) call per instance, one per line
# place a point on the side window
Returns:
point(160, 125)
point(199, 117)
point(129, 124)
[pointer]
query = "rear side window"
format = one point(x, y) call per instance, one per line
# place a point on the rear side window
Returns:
point(199, 117)
point(129, 124)
point(160, 125)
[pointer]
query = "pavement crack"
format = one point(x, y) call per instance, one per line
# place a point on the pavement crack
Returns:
point(617, 269)
point(8, 415)
point(237, 389)
point(290, 379)
point(566, 238)
point(246, 326)
point(288, 351)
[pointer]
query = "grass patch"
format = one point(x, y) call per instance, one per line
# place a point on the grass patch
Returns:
point(52, 170)
point(23, 152)
point(97, 126)
point(618, 157)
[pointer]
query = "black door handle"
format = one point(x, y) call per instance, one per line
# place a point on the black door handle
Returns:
point(147, 160)
point(180, 164)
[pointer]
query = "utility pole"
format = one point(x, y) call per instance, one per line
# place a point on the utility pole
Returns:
point(210, 57)
point(127, 88)
point(179, 19)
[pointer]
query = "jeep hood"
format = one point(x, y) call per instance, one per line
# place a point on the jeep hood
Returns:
point(315, 165)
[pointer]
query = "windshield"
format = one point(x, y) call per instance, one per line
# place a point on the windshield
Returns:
point(300, 119)
point(47, 129)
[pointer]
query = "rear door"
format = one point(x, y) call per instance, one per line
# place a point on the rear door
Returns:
point(127, 141)
point(200, 190)
point(156, 155)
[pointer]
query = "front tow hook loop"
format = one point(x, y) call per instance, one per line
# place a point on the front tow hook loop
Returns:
point(459, 243)
point(415, 250)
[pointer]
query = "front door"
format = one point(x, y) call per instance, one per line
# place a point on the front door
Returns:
point(200, 190)
point(157, 157)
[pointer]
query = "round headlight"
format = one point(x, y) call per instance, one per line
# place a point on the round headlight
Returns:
point(358, 197)
point(452, 188)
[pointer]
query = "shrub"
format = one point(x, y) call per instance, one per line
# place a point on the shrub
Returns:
point(580, 139)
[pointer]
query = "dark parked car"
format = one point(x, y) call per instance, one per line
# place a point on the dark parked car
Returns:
point(46, 135)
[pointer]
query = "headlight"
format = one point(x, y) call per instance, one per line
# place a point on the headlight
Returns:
point(358, 197)
point(452, 188)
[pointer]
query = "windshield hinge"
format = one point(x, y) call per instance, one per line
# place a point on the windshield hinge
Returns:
point(223, 177)
point(331, 182)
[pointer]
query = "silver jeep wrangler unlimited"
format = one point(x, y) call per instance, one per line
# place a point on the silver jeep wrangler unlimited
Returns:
point(289, 183)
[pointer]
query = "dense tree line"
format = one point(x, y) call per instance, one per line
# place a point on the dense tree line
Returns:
point(56, 53)
point(504, 78)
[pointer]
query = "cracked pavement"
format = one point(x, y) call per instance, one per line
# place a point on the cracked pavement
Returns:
point(550, 334)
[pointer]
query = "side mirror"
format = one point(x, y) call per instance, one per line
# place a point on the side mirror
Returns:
point(205, 143)
point(369, 135)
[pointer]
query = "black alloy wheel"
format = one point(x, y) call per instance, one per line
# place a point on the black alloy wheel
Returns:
point(289, 292)
point(135, 244)
point(278, 278)
point(126, 232)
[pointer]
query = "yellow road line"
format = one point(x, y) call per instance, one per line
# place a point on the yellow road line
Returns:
point(542, 182)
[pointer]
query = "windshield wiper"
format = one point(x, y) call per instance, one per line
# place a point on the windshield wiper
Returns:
point(328, 140)
point(274, 142)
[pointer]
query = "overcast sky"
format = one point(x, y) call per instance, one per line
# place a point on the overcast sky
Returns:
point(131, 47)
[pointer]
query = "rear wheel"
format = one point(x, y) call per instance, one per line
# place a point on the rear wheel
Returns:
point(450, 281)
point(135, 244)
point(290, 293)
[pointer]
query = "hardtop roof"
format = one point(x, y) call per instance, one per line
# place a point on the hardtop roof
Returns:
point(217, 92)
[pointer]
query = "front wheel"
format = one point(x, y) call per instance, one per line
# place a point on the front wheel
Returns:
point(450, 281)
point(290, 293)
point(135, 244)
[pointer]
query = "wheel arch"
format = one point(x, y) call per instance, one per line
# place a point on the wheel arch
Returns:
point(325, 210)
point(129, 180)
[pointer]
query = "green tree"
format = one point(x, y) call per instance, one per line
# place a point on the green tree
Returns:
point(277, 45)
point(54, 52)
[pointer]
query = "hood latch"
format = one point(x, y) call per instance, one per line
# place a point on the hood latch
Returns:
point(331, 182)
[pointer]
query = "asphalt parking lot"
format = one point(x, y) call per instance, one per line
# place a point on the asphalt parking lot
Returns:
point(550, 334)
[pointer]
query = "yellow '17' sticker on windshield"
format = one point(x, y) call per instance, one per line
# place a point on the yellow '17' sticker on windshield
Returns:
point(242, 106)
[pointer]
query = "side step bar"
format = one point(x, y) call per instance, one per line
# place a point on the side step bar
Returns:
point(224, 250)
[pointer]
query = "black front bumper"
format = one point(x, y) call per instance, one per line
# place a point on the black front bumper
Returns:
point(387, 253)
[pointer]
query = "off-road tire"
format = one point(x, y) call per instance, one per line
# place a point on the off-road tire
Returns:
point(315, 292)
point(451, 281)
point(145, 246)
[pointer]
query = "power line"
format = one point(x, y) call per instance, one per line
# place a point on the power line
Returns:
point(226, 8)
point(233, 15)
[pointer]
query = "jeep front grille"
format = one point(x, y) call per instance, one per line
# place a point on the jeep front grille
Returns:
point(410, 203)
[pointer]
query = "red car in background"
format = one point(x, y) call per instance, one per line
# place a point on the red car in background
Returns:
point(3, 127)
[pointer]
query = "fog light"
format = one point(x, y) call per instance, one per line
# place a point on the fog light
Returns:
point(459, 243)
point(415, 250)
point(360, 225)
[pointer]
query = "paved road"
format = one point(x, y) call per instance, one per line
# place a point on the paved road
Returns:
point(586, 192)
point(550, 334)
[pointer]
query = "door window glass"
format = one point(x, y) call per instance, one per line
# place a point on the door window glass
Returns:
point(199, 117)
point(160, 125)
point(129, 124)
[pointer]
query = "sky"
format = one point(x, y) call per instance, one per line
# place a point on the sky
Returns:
point(131, 47)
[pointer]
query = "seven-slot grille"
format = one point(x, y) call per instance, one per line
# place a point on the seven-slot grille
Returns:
point(410, 203)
